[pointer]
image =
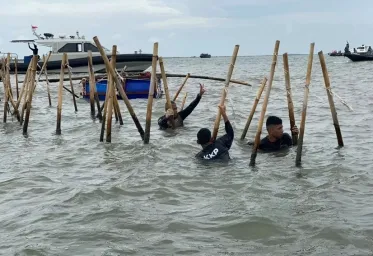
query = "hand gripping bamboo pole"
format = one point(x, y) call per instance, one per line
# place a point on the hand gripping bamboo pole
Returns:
point(289, 97)
point(165, 85)
point(224, 92)
point(265, 103)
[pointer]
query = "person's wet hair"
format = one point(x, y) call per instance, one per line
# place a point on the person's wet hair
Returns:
point(273, 120)
point(204, 136)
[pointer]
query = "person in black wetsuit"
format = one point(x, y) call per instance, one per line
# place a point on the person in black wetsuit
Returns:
point(276, 138)
point(164, 121)
point(218, 149)
point(34, 50)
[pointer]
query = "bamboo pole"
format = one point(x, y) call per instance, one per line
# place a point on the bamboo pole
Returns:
point(225, 89)
point(92, 83)
point(60, 87)
point(25, 83)
point(256, 101)
point(151, 93)
point(92, 87)
point(26, 92)
point(181, 87)
point(45, 61)
point(119, 87)
point(264, 106)
point(111, 94)
point(304, 109)
point(8, 92)
point(30, 93)
point(117, 108)
point(289, 98)
point(71, 84)
point(16, 75)
point(103, 120)
point(183, 103)
point(168, 75)
point(46, 79)
point(6, 83)
point(331, 101)
point(165, 85)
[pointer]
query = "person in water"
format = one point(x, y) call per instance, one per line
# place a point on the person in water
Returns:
point(218, 149)
point(164, 121)
point(34, 50)
point(276, 138)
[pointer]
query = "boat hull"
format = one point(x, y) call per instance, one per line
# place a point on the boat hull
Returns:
point(134, 89)
point(133, 62)
point(359, 57)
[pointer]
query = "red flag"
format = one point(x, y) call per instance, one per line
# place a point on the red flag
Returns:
point(33, 27)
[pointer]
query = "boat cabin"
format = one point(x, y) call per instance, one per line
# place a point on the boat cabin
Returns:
point(363, 49)
point(75, 46)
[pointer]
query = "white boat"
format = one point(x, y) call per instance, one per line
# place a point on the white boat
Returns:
point(77, 48)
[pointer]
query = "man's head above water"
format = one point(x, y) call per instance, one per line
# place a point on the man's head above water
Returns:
point(274, 127)
point(174, 107)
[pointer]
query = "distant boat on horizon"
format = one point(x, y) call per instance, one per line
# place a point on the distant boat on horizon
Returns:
point(205, 55)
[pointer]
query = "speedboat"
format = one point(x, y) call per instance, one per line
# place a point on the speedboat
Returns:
point(76, 48)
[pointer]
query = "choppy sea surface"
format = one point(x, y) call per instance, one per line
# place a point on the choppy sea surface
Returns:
point(74, 195)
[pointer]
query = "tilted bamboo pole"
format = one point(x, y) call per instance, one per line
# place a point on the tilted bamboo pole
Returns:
point(330, 99)
point(224, 92)
point(305, 103)
point(264, 106)
point(151, 94)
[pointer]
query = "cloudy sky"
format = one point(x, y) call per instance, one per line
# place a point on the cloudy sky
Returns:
point(189, 27)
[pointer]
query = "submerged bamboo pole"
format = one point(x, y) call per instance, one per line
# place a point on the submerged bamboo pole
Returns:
point(225, 89)
point(119, 87)
point(24, 85)
point(60, 90)
point(92, 83)
point(181, 87)
point(256, 101)
point(104, 107)
point(92, 88)
point(330, 99)
point(289, 98)
point(304, 109)
point(264, 106)
point(6, 83)
point(71, 83)
point(151, 93)
point(8, 93)
point(30, 93)
point(16, 75)
point(110, 95)
point(165, 85)
point(46, 79)
point(183, 103)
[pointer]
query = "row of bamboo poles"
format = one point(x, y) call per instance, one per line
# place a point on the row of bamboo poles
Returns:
point(296, 140)
point(115, 84)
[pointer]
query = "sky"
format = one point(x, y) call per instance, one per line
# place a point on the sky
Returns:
point(185, 28)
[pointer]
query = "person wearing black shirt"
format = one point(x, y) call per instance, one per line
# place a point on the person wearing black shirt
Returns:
point(218, 149)
point(34, 50)
point(276, 138)
point(164, 121)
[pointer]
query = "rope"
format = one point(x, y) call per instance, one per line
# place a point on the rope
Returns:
point(340, 99)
